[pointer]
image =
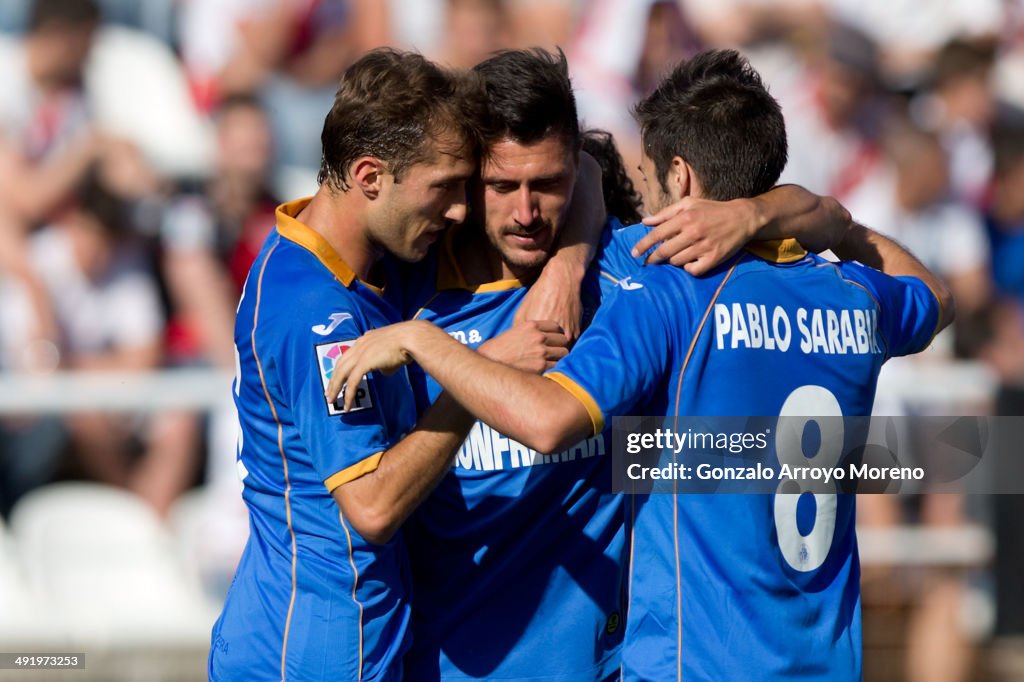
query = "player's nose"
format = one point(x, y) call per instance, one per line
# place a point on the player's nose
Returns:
point(457, 210)
point(525, 210)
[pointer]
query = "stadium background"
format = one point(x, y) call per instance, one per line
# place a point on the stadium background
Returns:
point(137, 201)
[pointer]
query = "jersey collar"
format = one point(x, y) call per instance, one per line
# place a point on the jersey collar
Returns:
point(777, 250)
point(311, 240)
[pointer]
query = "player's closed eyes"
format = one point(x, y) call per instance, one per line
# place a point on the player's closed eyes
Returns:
point(503, 187)
point(546, 185)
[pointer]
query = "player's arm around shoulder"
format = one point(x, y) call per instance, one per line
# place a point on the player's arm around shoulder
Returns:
point(885, 255)
point(556, 294)
point(378, 501)
point(308, 326)
point(699, 234)
point(509, 397)
point(393, 471)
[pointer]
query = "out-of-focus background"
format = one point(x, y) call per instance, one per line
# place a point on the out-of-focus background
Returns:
point(143, 149)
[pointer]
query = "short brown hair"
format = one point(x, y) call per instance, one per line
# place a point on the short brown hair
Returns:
point(390, 105)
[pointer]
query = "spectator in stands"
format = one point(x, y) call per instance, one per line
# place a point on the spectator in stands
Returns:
point(834, 118)
point(622, 49)
point(30, 447)
point(210, 235)
point(291, 52)
point(909, 38)
point(1005, 354)
point(46, 146)
point(109, 313)
point(212, 232)
point(960, 106)
point(473, 29)
point(669, 39)
point(155, 17)
point(46, 141)
point(910, 201)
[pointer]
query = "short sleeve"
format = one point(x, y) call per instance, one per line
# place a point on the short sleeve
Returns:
point(342, 446)
point(909, 311)
point(621, 358)
point(614, 259)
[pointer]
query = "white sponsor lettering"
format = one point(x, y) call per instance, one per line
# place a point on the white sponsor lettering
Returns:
point(466, 338)
point(487, 450)
point(826, 331)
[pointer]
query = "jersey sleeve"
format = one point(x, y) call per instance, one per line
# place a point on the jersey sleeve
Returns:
point(621, 357)
point(343, 446)
point(909, 311)
point(614, 258)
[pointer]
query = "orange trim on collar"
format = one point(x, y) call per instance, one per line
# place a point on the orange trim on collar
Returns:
point(289, 227)
point(777, 250)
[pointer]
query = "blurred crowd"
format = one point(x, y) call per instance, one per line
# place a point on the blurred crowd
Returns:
point(145, 143)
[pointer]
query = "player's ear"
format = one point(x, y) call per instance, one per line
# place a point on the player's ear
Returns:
point(679, 179)
point(367, 175)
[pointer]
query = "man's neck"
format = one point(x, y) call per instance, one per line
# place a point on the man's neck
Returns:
point(333, 217)
point(481, 263)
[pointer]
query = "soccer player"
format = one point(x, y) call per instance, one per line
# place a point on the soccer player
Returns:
point(512, 538)
point(321, 589)
point(721, 587)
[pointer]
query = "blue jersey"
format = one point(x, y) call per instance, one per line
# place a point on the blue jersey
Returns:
point(311, 600)
point(733, 587)
point(517, 556)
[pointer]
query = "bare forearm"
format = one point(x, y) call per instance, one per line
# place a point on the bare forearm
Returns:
point(378, 503)
point(881, 253)
point(698, 234)
point(792, 211)
point(586, 218)
point(526, 407)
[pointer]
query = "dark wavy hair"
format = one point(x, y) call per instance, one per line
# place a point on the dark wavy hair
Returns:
point(529, 97)
point(621, 200)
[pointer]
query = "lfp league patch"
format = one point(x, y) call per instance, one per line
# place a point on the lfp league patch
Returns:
point(327, 357)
